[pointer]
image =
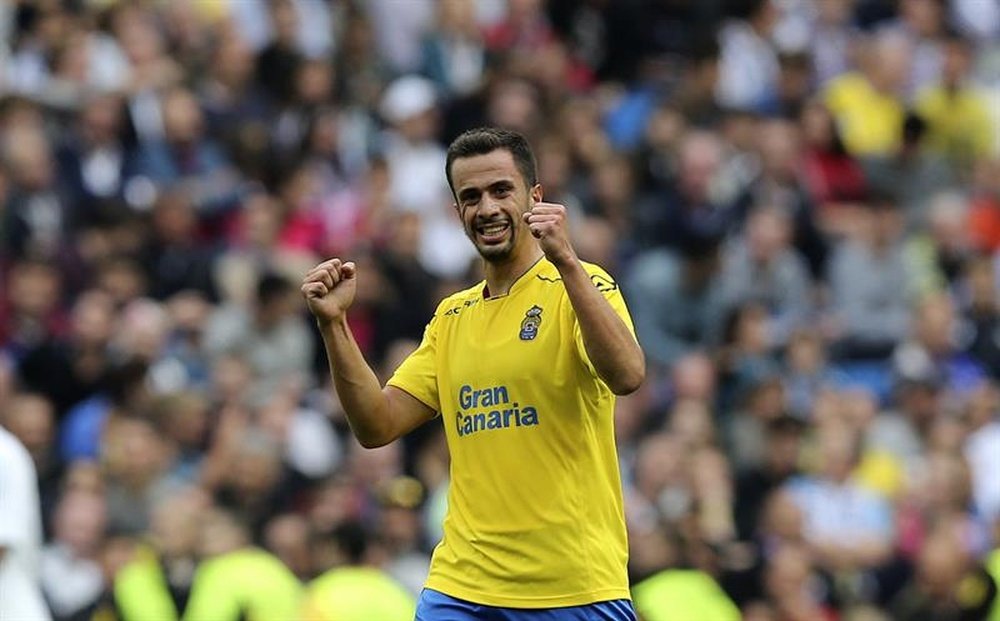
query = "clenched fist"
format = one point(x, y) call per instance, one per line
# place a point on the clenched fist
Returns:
point(329, 289)
point(547, 223)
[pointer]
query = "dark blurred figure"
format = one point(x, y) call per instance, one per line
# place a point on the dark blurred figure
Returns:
point(278, 62)
point(31, 307)
point(687, 205)
point(38, 215)
point(70, 369)
point(175, 258)
point(93, 160)
point(781, 461)
point(947, 586)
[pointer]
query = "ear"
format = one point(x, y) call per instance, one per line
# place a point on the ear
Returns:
point(536, 193)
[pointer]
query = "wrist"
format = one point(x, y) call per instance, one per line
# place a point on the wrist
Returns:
point(327, 325)
point(564, 260)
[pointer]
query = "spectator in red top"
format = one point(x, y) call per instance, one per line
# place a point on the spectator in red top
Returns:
point(833, 178)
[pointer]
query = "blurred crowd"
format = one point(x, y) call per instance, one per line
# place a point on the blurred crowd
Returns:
point(800, 199)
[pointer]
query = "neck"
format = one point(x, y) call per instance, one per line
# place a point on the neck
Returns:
point(500, 275)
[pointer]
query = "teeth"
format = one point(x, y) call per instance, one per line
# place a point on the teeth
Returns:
point(492, 229)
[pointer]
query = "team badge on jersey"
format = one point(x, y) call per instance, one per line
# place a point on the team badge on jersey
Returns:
point(529, 325)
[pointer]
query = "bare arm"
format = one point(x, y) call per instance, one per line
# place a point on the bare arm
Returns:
point(612, 349)
point(377, 415)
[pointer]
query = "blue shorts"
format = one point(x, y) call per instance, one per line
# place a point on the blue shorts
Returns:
point(436, 606)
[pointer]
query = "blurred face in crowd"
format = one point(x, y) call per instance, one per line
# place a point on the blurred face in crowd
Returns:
point(694, 377)
point(923, 16)
point(940, 566)
point(948, 485)
point(782, 518)
point(935, 324)
point(92, 319)
point(80, 520)
point(256, 466)
point(948, 224)
point(144, 329)
point(288, 537)
point(176, 523)
point(29, 158)
point(458, 18)
point(983, 403)
point(817, 125)
point(783, 448)
point(700, 158)
point(957, 62)
point(888, 62)
point(778, 143)
point(182, 118)
point(492, 197)
point(788, 572)
point(30, 418)
point(768, 233)
point(691, 421)
point(834, 12)
point(513, 103)
point(659, 464)
point(100, 119)
point(174, 219)
point(838, 453)
point(233, 63)
point(34, 289)
point(134, 451)
point(219, 533)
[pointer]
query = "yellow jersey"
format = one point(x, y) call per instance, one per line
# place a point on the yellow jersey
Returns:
point(871, 123)
point(535, 513)
point(357, 594)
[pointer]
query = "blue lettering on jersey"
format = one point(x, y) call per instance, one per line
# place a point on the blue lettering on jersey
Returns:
point(496, 410)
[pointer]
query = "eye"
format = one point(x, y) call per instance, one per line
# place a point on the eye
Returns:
point(501, 192)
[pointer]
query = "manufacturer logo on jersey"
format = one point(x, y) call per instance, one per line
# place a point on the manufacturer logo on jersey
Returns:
point(529, 325)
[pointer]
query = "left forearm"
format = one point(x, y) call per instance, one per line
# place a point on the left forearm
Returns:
point(612, 349)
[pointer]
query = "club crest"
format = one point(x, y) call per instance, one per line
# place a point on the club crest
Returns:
point(529, 325)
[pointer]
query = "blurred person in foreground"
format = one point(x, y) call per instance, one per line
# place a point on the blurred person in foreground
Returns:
point(545, 448)
point(20, 534)
point(354, 590)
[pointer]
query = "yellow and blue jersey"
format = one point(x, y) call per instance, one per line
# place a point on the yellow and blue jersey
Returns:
point(535, 514)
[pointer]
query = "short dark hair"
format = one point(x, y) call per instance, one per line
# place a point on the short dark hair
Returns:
point(483, 140)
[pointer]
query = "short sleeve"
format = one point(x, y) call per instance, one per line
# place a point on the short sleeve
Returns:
point(613, 294)
point(417, 375)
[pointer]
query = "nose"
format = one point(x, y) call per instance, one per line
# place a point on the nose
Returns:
point(489, 208)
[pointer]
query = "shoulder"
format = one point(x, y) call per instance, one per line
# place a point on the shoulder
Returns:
point(603, 280)
point(454, 303)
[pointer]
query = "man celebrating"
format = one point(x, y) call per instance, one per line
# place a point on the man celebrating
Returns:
point(523, 369)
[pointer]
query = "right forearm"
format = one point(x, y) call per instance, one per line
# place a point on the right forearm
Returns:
point(357, 385)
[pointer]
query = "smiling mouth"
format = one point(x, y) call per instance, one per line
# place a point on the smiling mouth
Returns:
point(493, 232)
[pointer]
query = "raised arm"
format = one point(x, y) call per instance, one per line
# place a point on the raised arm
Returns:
point(377, 415)
point(612, 349)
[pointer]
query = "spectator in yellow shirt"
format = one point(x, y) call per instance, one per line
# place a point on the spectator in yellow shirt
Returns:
point(958, 119)
point(866, 103)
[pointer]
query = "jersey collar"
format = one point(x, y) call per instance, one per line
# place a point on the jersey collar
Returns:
point(520, 281)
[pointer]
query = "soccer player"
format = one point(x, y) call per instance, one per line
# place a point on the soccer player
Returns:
point(523, 369)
